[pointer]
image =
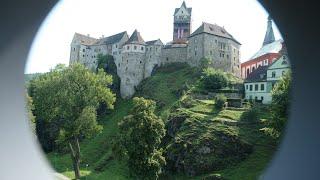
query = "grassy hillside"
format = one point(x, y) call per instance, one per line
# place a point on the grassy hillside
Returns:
point(171, 87)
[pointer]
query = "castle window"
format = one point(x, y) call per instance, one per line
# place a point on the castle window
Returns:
point(250, 87)
point(74, 49)
point(195, 53)
point(116, 46)
point(262, 87)
point(83, 50)
point(150, 48)
point(128, 47)
point(126, 68)
point(135, 47)
point(140, 62)
point(141, 48)
point(82, 55)
point(273, 74)
point(211, 52)
point(119, 64)
point(167, 59)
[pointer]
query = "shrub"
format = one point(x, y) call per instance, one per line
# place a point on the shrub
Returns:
point(220, 100)
point(214, 79)
point(250, 115)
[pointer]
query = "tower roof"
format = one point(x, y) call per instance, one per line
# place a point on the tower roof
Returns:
point(269, 37)
point(214, 30)
point(135, 38)
point(185, 6)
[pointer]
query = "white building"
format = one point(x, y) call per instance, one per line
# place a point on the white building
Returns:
point(259, 84)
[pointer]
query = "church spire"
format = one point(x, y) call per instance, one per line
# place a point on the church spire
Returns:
point(269, 37)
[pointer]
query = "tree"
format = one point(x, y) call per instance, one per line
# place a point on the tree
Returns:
point(214, 79)
point(30, 108)
point(220, 100)
point(71, 95)
point(141, 133)
point(279, 107)
point(106, 62)
point(205, 63)
point(280, 103)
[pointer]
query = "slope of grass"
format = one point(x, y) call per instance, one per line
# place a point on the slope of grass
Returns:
point(168, 87)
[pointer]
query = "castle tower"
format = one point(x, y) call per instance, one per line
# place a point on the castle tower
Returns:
point(132, 62)
point(182, 23)
point(269, 37)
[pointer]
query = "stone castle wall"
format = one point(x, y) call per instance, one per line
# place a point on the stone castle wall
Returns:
point(173, 55)
point(131, 72)
point(153, 58)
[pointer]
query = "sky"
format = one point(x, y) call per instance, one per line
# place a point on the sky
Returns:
point(246, 20)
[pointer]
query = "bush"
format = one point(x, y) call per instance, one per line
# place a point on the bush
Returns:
point(250, 115)
point(214, 79)
point(220, 100)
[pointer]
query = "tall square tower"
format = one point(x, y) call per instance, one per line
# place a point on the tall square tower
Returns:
point(182, 24)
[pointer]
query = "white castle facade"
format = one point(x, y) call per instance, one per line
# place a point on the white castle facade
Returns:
point(135, 59)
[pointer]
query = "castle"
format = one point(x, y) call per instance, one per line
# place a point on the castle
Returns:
point(135, 58)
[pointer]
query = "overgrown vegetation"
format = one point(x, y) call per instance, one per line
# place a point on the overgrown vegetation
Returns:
point(140, 135)
point(201, 140)
point(279, 106)
point(220, 101)
point(70, 95)
point(214, 79)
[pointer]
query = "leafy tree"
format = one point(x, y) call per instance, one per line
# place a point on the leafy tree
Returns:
point(30, 108)
point(280, 103)
point(214, 79)
point(141, 133)
point(106, 62)
point(220, 100)
point(279, 107)
point(205, 63)
point(70, 96)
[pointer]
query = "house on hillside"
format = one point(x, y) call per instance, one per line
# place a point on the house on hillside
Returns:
point(259, 84)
